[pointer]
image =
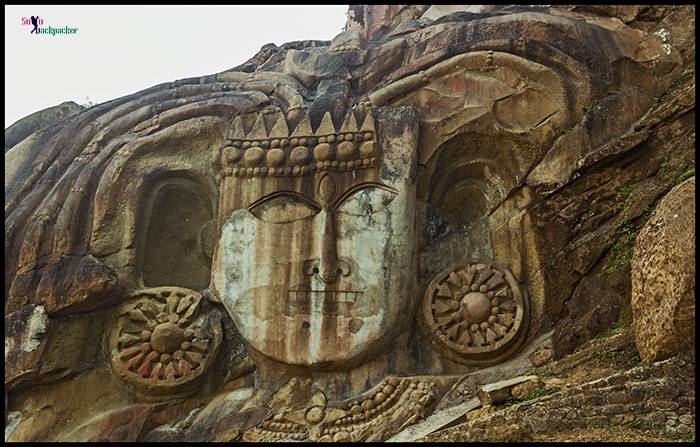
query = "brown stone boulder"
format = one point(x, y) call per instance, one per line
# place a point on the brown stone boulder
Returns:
point(663, 277)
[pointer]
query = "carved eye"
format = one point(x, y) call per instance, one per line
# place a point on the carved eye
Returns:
point(366, 201)
point(283, 208)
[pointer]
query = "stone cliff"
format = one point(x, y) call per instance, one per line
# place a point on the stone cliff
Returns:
point(449, 222)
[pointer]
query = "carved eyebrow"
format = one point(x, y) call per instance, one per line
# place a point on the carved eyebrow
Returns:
point(276, 194)
point(360, 187)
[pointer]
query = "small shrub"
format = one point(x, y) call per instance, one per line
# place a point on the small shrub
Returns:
point(621, 251)
point(626, 190)
point(88, 103)
point(627, 357)
point(539, 392)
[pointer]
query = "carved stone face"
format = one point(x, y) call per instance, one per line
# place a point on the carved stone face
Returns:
point(318, 269)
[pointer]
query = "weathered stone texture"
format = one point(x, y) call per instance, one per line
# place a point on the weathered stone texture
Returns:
point(663, 277)
point(593, 308)
point(496, 162)
point(38, 120)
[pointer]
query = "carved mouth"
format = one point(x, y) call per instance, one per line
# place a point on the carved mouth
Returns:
point(326, 302)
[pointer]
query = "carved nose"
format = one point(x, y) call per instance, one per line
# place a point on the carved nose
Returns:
point(328, 266)
point(329, 270)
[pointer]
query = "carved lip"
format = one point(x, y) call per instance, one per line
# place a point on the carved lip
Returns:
point(302, 300)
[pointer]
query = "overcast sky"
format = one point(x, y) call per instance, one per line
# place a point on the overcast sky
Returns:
point(119, 50)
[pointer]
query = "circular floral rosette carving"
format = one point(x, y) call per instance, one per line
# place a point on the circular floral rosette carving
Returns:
point(475, 313)
point(160, 342)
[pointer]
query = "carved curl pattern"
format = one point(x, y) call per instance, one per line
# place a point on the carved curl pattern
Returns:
point(161, 341)
point(475, 313)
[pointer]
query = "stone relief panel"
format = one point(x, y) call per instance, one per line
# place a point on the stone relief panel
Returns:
point(161, 342)
point(394, 403)
point(331, 233)
point(475, 313)
point(319, 229)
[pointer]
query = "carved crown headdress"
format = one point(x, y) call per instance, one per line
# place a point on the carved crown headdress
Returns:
point(259, 152)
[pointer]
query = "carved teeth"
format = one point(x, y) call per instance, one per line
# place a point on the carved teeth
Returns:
point(368, 124)
point(238, 131)
point(258, 131)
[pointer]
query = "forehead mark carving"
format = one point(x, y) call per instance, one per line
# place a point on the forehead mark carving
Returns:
point(327, 189)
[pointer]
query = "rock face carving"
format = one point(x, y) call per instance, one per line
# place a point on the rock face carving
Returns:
point(475, 313)
point(328, 218)
point(251, 247)
point(391, 405)
point(279, 154)
point(161, 341)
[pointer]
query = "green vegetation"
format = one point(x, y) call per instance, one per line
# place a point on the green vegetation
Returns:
point(634, 423)
point(588, 107)
point(627, 357)
point(612, 330)
point(609, 356)
point(690, 172)
point(621, 251)
point(88, 103)
point(584, 240)
point(679, 174)
point(626, 190)
point(664, 168)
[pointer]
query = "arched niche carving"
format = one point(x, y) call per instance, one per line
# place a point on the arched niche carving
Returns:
point(465, 183)
point(486, 119)
point(176, 232)
point(476, 207)
point(131, 177)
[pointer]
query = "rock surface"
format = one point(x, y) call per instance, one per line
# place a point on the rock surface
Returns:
point(43, 118)
point(593, 308)
point(663, 277)
point(496, 393)
point(657, 396)
point(244, 255)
